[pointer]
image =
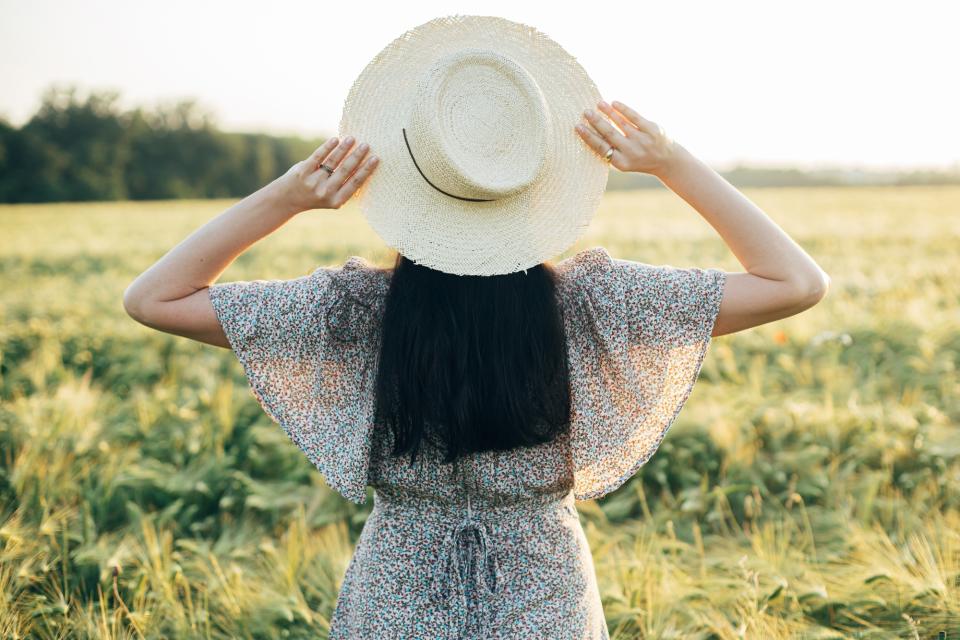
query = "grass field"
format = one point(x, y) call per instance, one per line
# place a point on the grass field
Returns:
point(809, 489)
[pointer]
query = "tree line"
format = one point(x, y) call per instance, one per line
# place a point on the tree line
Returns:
point(90, 149)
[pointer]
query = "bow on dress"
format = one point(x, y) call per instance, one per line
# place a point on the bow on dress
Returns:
point(485, 574)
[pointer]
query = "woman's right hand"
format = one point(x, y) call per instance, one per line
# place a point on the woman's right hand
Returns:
point(640, 145)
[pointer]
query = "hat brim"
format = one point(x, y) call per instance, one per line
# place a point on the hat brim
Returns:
point(474, 238)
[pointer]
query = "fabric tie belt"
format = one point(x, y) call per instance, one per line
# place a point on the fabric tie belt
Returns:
point(467, 560)
point(455, 563)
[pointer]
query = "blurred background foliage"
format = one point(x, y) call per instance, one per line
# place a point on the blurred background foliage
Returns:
point(88, 149)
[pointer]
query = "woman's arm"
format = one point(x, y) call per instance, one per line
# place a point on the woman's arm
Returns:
point(172, 295)
point(781, 279)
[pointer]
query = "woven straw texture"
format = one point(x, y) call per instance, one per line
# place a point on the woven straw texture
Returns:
point(488, 106)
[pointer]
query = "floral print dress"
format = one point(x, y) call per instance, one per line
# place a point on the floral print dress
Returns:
point(491, 546)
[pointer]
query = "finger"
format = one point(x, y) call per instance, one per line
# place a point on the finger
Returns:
point(339, 153)
point(355, 181)
point(601, 146)
point(607, 130)
point(346, 167)
point(321, 153)
point(593, 139)
point(627, 127)
point(305, 168)
point(638, 120)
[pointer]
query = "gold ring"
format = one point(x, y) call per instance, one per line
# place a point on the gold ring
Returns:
point(608, 154)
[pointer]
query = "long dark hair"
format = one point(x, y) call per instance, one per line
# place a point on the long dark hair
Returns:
point(471, 363)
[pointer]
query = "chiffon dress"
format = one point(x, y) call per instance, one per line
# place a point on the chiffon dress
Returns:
point(491, 546)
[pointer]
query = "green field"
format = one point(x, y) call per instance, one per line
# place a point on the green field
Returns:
point(809, 489)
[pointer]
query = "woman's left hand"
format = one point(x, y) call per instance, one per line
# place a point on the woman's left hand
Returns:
point(306, 185)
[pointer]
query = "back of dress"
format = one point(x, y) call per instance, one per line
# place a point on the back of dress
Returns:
point(491, 546)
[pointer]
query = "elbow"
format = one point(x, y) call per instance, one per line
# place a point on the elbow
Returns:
point(811, 290)
point(132, 304)
point(819, 287)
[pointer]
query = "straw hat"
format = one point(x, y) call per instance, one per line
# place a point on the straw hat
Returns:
point(481, 171)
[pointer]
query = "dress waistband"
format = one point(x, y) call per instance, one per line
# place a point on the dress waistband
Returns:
point(471, 506)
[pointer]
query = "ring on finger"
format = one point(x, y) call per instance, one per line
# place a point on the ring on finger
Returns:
point(608, 154)
point(326, 168)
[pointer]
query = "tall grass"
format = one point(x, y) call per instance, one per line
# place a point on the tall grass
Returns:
point(810, 488)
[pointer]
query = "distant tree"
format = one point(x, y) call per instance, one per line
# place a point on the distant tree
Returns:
point(79, 149)
point(83, 145)
point(177, 152)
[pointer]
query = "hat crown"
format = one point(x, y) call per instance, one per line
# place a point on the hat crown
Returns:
point(478, 125)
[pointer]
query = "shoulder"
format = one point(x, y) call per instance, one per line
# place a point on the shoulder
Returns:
point(585, 269)
point(354, 297)
point(596, 270)
point(358, 276)
point(357, 279)
point(586, 261)
point(289, 305)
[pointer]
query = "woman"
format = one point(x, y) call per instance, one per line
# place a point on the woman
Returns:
point(477, 387)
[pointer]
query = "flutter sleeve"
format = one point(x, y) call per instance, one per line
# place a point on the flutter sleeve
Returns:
point(305, 345)
point(637, 335)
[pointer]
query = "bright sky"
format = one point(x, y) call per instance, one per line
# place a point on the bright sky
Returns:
point(868, 84)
